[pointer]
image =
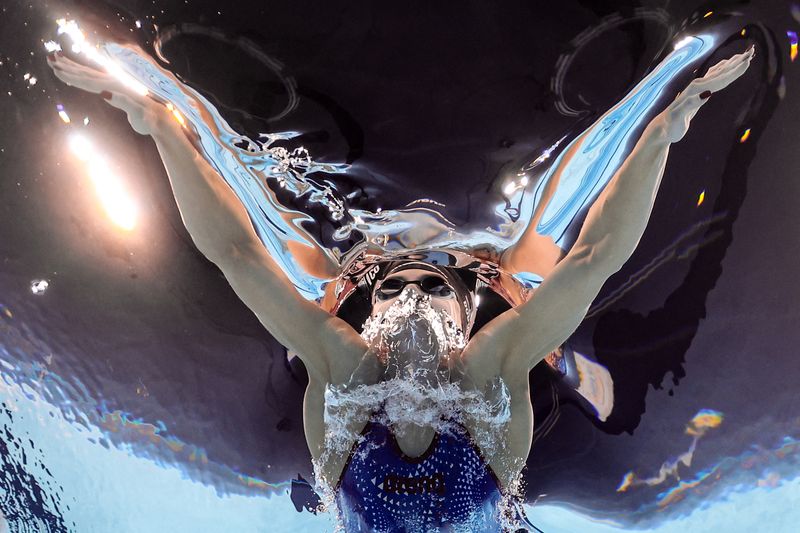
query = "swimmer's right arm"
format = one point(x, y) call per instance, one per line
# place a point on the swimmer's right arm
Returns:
point(221, 229)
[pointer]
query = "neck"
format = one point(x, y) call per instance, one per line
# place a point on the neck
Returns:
point(422, 369)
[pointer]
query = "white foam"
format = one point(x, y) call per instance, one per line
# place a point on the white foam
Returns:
point(412, 324)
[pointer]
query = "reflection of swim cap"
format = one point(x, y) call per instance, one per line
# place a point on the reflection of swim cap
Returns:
point(467, 275)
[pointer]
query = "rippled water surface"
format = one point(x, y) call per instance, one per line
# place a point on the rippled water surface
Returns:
point(139, 394)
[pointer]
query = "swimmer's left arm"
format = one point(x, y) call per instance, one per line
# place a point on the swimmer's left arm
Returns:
point(612, 230)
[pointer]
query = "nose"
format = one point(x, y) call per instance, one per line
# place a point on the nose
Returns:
point(414, 287)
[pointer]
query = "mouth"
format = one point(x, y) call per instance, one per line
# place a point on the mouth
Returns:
point(406, 313)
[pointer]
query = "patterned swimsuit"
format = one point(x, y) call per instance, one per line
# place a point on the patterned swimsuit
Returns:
point(448, 488)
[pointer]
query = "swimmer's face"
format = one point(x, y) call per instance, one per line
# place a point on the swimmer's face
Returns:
point(419, 282)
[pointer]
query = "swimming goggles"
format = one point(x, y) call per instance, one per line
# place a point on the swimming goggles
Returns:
point(433, 285)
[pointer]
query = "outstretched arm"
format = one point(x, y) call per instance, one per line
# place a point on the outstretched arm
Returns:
point(610, 234)
point(586, 166)
point(221, 229)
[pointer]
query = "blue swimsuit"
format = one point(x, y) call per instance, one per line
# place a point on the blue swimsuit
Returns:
point(448, 488)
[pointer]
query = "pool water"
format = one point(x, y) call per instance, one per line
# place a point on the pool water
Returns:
point(139, 394)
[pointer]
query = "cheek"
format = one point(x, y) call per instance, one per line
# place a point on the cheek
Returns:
point(379, 306)
point(450, 307)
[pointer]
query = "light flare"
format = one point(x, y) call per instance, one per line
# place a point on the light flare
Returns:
point(52, 46)
point(626, 482)
point(176, 114)
point(683, 42)
point(704, 420)
point(792, 44)
point(80, 45)
point(116, 202)
point(39, 286)
point(513, 186)
point(745, 136)
point(701, 198)
point(62, 114)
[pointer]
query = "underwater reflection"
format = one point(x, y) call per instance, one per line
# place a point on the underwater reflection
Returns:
point(418, 334)
point(419, 464)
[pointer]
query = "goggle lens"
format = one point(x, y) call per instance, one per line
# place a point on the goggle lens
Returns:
point(433, 285)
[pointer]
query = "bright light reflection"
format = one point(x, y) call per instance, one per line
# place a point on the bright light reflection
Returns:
point(683, 42)
point(117, 204)
point(39, 286)
point(81, 46)
point(512, 186)
point(745, 136)
point(62, 114)
point(176, 114)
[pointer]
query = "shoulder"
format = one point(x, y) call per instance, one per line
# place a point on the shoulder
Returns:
point(484, 356)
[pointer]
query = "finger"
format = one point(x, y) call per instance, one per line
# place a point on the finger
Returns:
point(73, 69)
point(87, 79)
point(733, 62)
point(718, 66)
point(736, 61)
point(719, 70)
point(59, 60)
point(722, 80)
point(90, 83)
point(718, 80)
point(730, 64)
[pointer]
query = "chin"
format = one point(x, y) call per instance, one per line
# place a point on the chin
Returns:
point(412, 325)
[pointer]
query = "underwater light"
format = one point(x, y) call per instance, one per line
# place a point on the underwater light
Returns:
point(117, 204)
point(81, 46)
point(683, 42)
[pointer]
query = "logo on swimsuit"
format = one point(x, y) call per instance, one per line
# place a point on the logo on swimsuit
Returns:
point(414, 485)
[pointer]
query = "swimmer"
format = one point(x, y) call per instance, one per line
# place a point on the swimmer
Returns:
point(413, 424)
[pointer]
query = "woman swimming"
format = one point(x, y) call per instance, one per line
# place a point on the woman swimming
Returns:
point(413, 424)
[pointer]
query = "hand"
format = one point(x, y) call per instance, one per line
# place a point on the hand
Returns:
point(143, 112)
point(680, 113)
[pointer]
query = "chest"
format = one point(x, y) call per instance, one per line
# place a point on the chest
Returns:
point(447, 484)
